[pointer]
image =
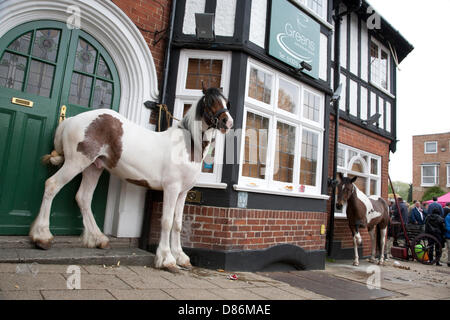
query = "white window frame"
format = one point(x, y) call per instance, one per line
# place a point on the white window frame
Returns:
point(274, 114)
point(388, 71)
point(448, 175)
point(435, 176)
point(321, 15)
point(367, 174)
point(183, 96)
point(425, 147)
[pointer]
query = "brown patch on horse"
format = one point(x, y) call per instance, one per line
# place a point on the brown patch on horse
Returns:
point(141, 183)
point(380, 206)
point(105, 130)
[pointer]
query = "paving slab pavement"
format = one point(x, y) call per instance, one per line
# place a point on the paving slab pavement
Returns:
point(340, 280)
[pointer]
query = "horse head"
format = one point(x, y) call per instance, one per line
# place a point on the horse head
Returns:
point(213, 109)
point(345, 190)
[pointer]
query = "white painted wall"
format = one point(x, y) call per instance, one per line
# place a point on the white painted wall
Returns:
point(192, 7)
point(343, 102)
point(388, 116)
point(225, 15)
point(364, 52)
point(381, 112)
point(363, 114)
point(354, 52)
point(323, 57)
point(258, 22)
point(344, 42)
point(353, 98)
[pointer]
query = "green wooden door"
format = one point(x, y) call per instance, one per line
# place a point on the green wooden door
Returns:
point(50, 65)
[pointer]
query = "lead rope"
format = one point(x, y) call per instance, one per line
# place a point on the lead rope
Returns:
point(168, 115)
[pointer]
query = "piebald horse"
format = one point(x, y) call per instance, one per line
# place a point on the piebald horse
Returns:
point(362, 211)
point(170, 161)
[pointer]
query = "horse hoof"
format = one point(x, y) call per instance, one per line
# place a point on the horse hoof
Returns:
point(186, 266)
point(381, 263)
point(104, 245)
point(172, 269)
point(44, 245)
point(356, 264)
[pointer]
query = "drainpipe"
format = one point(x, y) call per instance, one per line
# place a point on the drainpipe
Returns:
point(148, 209)
point(337, 17)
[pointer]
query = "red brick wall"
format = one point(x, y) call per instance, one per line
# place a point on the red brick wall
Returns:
point(442, 156)
point(244, 229)
point(149, 15)
point(359, 138)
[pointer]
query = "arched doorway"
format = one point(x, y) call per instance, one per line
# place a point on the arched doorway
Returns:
point(43, 67)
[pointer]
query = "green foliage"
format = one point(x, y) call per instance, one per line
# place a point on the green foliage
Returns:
point(432, 192)
point(401, 189)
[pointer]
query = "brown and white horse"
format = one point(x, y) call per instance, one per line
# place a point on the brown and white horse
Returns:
point(170, 161)
point(362, 211)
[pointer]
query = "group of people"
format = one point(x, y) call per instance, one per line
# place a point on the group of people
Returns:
point(434, 217)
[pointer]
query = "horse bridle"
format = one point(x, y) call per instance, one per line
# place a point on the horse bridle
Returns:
point(213, 119)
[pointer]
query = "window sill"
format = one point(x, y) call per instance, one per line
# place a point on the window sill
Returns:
point(376, 85)
point(211, 185)
point(280, 193)
point(428, 185)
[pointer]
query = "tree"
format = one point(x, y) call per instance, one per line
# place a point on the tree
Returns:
point(432, 192)
point(401, 189)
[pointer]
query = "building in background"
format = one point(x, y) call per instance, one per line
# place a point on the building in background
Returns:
point(431, 163)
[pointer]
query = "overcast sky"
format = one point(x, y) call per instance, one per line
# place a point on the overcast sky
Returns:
point(423, 86)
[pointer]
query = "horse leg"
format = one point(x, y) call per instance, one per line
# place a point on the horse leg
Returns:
point(175, 243)
point(383, 243)
point(92, 236)
point(373, 241)
point(40, 228)
point(355, 247)
point(164, 258)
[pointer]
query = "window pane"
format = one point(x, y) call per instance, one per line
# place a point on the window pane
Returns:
point(103, 93)
point(21, 44)
point(316, 6)
point(361, 183)
point(85, 57)
point(46, 44)
point(341, 157)
point(284, 153)
point(12, 71)
point(373, 166)
point(186, 108)
point(207, 70)
point(384, 69)
point(373, 187)
point(428, 171)
point(80, 89)
point(358, 166)
point(208, 163)
point(255, 148)
point(430, 147)
point(287, 96)
point(374, 63)
point(311, 106)
point(308, 164)
point(102, 69)
point(40, 78)
point(260, 86)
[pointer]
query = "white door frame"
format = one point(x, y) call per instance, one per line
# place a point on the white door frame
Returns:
point(111, 27)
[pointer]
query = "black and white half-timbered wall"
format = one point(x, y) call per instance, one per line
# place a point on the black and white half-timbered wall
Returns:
point(263, 198)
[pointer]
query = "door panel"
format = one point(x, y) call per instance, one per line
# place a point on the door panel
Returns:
point(37, 62)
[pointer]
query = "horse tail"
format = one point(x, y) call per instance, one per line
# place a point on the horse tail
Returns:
point(56, 157)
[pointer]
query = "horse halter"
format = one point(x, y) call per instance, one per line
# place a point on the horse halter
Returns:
point(213, 119)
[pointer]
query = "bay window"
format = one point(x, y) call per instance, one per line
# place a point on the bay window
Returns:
point(282, 136)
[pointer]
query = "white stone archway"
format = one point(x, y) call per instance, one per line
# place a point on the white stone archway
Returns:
point(110, 26)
